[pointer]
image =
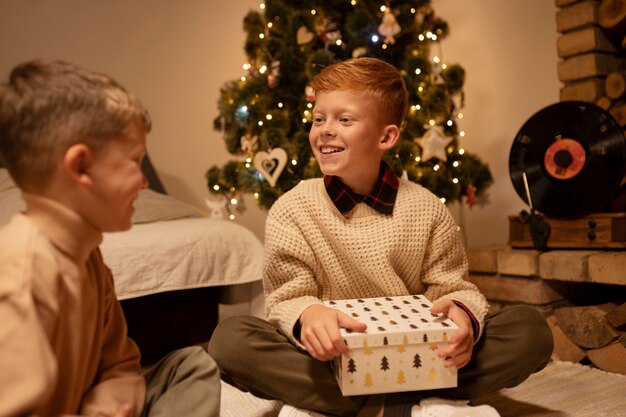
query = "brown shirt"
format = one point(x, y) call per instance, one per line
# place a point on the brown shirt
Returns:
point(63, 343)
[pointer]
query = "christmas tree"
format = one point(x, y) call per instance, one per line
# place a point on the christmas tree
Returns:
point(265, 115)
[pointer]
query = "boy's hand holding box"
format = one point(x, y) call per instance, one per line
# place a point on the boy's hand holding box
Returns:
point(398, 351)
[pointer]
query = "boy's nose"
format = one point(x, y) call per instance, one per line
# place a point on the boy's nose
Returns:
point(328, 130)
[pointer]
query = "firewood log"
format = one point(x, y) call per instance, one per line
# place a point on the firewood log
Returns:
point(615, 85)
point(617, 317)
point(611, 358)
point(586, 326)
point(612, 17)
point(564, 348)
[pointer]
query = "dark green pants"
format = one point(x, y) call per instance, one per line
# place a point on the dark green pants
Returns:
point(184, 383)
point(254, 356)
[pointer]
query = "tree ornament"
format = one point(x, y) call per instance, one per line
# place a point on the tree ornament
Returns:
point(389, 27)
point(310, 93)
point(249, 143)
point(304, 35)
point(216, 206)
point(424, 14)
point(274, 76)
point(358, 52)
point(470, 191)
point(328, 32)
point(434, 143)
point(271, 164)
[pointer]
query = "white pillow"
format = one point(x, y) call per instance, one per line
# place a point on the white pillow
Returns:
point(150, 206)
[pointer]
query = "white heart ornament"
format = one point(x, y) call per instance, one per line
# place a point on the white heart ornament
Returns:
point(303, 35)
point(271, 164)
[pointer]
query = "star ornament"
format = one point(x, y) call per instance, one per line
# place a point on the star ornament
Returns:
point(434, 143)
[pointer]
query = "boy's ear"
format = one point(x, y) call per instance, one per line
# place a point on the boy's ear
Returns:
point(76, 162)
point(391, 134)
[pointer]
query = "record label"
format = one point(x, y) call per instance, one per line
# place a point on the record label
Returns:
point(564, 159)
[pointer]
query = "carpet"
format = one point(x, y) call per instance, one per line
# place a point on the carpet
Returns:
point(562, 389)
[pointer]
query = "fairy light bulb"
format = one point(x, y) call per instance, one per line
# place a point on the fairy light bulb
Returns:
point(434, 37)
point(418, 71)
point(280, 105)
point(455, 164)
point(261, 35)
point(303, 120)
point(256, 195)
point(268, 116)
point(353, 2)
point(338, 42)
point(294, 162)
point(374, 38)
point(216, 187)
point(443, 200)
point(260, 123)
point(384, 46)
point(413, 10)
point(436, 59)
point(233, 201)
point(461, 151)
point(436, 168)
point(231, 217)
point(417, 159)
point(444, 66)
point(383, 8)
point(455, 180)
point(270, 24)
point(462, 133)
point(263, 69)
point(431, 122)
point(262, 6)
point(309, 105)
point(449, 122)
point(243, 78)
point(421, 37)
point(246, 66)
point(460, 115)
point(313, 12)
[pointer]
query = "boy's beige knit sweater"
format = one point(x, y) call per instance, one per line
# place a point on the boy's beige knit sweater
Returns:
point(314, 253)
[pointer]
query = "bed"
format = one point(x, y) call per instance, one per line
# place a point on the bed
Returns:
point(174, 268)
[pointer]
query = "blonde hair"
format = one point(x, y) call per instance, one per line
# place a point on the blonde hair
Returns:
point(47, 107)
point(373, 77)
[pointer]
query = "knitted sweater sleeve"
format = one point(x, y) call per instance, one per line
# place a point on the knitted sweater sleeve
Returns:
point(445, 268)
point(289, 271)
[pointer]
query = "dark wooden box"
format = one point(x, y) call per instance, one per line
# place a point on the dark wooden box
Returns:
point(162, 322)
point(595, 231)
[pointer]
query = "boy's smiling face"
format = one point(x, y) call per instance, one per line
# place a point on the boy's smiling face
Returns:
point(349, 137)
point(117, 179)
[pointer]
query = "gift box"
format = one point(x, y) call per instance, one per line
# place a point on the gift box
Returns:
point(398, 351)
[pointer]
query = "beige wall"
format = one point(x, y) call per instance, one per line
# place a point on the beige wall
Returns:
point(175, 55)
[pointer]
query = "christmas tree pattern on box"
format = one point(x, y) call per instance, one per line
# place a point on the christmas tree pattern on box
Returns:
point(398, 352)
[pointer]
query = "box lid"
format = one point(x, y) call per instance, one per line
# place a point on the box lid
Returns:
point(394, 321)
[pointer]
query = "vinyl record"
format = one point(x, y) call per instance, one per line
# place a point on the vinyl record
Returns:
point(574, 157)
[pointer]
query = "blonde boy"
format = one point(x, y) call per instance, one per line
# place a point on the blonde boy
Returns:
point(363, 232)
point(73, 141)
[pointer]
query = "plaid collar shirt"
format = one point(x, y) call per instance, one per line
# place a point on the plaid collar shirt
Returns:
point(382, 198)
